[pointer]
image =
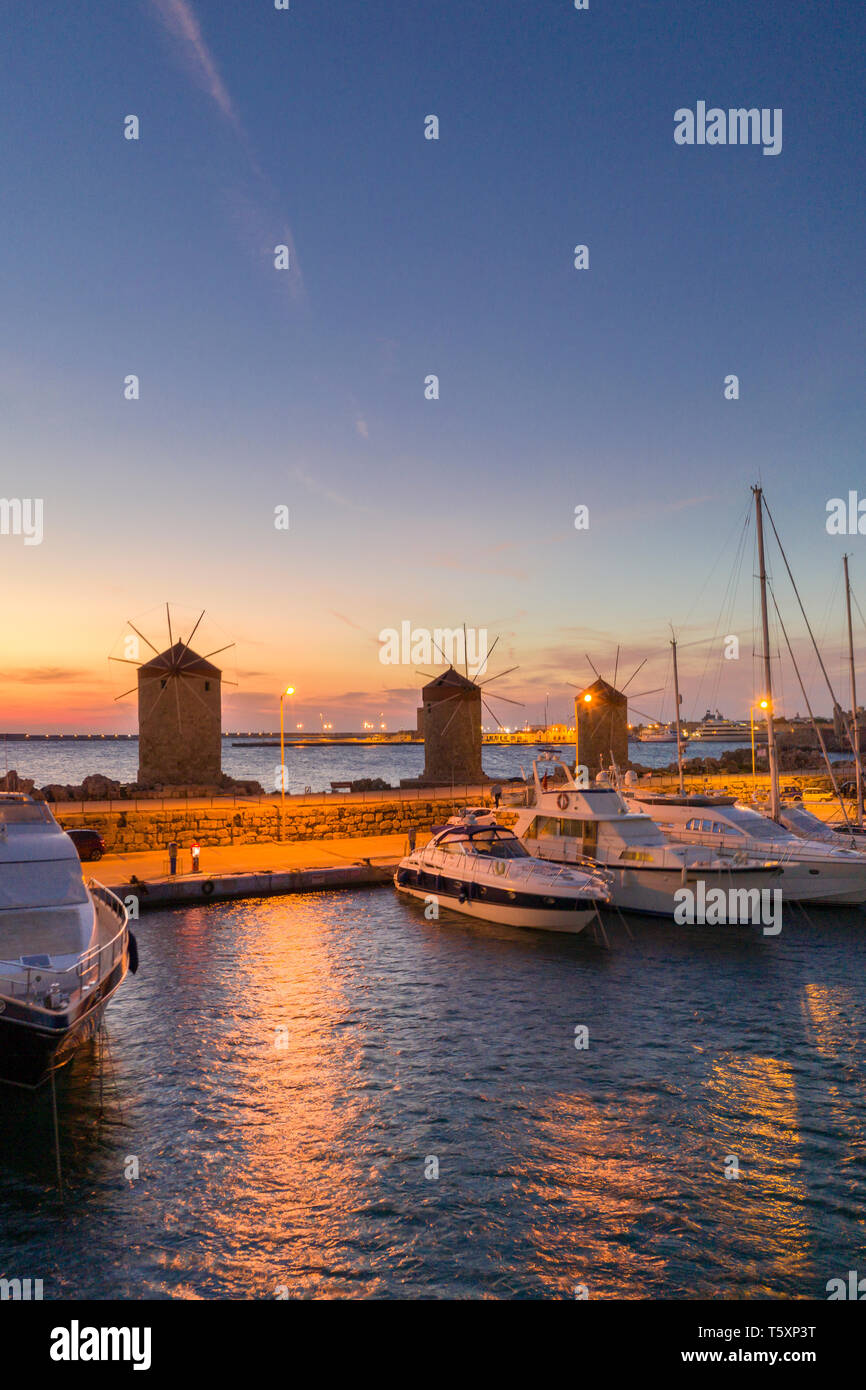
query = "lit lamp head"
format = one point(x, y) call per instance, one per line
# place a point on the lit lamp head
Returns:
point(587, 699)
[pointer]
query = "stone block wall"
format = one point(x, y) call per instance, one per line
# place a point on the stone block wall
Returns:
point(130, 831)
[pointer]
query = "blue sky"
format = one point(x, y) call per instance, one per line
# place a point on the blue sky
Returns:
point(410, 257)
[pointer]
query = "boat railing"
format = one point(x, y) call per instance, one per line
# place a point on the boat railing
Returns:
point(32, 980)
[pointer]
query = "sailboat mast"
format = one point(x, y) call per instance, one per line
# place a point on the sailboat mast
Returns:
point(858, 772)
point(768, 680)
point(677, 717)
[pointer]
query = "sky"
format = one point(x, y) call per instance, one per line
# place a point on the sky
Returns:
point(304, 388)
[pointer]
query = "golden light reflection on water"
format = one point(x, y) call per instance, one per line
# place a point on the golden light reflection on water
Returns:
point(283, 1082)
point(613, 1186)
point(755, 1114)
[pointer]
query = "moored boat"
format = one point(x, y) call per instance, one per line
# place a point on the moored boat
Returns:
point(565, 822)
point(475, 866)
point(64, 945)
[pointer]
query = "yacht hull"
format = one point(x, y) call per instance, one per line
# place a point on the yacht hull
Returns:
point(567, 915)
point(34, 1042)
point(652, 891)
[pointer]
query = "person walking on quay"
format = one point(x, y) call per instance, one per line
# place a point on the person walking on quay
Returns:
point(172, 857)
point(496, 793)
point(410, 836)
point(196, 851)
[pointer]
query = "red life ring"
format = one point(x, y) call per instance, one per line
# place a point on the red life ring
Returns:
point(562, 801)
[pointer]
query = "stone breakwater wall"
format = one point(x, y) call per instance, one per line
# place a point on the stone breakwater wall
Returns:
point(128, 831)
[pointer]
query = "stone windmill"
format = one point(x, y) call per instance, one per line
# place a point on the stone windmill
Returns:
point(601, 721)
point(449, 720)
point(179, 713)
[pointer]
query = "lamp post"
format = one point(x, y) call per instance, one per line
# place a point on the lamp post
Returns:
point(289, 690)
point(762, 704)
point(587, 700)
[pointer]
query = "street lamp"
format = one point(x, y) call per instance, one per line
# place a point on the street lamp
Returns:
point(289, 690)
point(762, 704)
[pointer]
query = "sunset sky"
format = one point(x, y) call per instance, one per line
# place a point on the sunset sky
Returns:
point(410, 257)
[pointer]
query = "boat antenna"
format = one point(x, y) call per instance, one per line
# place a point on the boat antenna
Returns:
point(858, 771)
point(773, 757)
point(677, 701)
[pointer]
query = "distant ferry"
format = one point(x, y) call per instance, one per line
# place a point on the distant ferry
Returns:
point(661, 733)
point(717, 727)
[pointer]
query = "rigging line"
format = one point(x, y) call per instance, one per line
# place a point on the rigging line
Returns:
point(725, 547)
point(808, 626)
point(725, 615)
point(809, 708)
point(729, 600)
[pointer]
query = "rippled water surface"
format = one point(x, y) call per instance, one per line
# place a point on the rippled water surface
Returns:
point(285, 1072)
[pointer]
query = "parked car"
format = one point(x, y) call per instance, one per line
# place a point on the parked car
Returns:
point(89, 843)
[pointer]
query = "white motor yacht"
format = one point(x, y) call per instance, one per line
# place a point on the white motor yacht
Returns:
point(65, 946)
point(563, 821)
point(474, 866)
point(818, 871)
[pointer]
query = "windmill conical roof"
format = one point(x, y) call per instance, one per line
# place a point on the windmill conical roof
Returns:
point(450, 680)
point(180, 660)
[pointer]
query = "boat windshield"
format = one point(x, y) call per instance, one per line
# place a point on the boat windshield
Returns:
point(23, 812)
point(41, 883)
point(753, 823)
point(803, 821)
point(498, 844)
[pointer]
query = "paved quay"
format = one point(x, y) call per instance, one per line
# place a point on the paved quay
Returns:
point(258, 870)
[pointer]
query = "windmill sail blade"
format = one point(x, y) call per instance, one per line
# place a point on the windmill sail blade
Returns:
point(142, 636)
point(125, 693)
point(168, 616)
point(634, 673)
point(218, 650)
point(194, 692)
point(490, 711)
point(177, 702)
point(195, 629)
point(451, 720)
point(488, 654)
point(465, 653)
point(499, 675)
point(163, 689)
point(126, 660)
point(507, 700)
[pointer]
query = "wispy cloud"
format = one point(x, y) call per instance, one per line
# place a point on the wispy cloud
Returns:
point(181, 23)
point(320, 489)
point(36, 675)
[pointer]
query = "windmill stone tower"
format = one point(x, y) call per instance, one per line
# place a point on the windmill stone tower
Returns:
point(450, 722)
point(179, 720)
point(601, 722)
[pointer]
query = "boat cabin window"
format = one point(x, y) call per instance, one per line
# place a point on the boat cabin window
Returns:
point(711, 827)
